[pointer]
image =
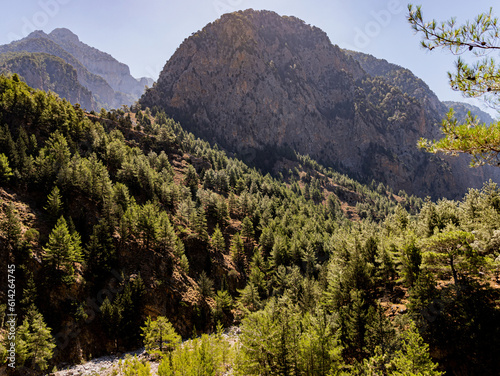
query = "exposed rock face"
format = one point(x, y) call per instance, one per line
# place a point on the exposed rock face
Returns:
point(38, 42)
point(109, 80)
point(48, 72)
point(115, 73)
point(254, 79)
point(461, 110)
point(435, 111)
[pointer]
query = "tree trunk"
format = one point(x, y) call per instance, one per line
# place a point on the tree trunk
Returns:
point(453, 270)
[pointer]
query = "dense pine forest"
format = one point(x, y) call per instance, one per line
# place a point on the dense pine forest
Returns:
point(126, 231)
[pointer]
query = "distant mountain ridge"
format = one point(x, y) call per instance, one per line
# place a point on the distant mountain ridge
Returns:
point(109, 80)
point(461, 109)
point(117, 74)
point(49, 73)
point(254, 79)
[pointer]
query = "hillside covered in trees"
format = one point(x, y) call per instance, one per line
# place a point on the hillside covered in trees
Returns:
point(113, 218)
point(265, 85)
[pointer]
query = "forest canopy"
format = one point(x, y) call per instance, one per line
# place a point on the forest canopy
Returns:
point(114, 217)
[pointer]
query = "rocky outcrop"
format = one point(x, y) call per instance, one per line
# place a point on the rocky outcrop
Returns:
point(50, 73)
point(434, 112)
point(254, 79)
point(109, 80)
point(461, 109)
point(100, 63)
point(37, 42)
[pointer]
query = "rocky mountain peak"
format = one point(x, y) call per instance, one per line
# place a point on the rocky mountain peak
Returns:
point(107, 78)
point(36, 34)
point(274, 84)
point(64, 34)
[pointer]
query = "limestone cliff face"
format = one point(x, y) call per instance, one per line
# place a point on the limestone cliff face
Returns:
point(461, 109)
point(433, 112)
point(48, 72)
point(100, 63)
point(109, 80)
point(254, 79)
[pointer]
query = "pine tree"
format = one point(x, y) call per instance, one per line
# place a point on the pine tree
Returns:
point(205, 285)
point(454, 249)
point(411, 258)
point(5, 170)
point(222, 212)
point(112, 315)
point(249, 298)
point(63, 249)
point(355, 325)
point(54, 203)
point(191, 180)
point(35, 341)
point(166, 233)
point(478, 80)
point(100, 249)
point(148, 223)
point(247, 230)
point(29, 293)
point(159, 334)
point(165, 367)
point(233, 205)
point(319, 350)
point(135, 367)
point(223, 302)
point(200, 224)
point(237, 249)
point(11, 227)
point(217, 241)
point(414, 358)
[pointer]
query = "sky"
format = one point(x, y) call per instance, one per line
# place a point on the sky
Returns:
point(145, 33)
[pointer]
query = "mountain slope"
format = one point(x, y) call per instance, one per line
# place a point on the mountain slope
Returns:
point(48, 72)
point(401, 78)
point(435, 111)
point(100, 63)
point(461, 109)
point(116, 177)
point(38, 42)
point(161, 224)
point(280, 84)
point(93, 67)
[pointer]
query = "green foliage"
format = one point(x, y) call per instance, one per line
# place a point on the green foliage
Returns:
point(205, 285)
point(247, 229)
point(5, 170)
point(159, 334)
point(478, 140)
point(276, 341)
point(11, 228)
point(237, 249)
point(63, 250)
point(191, 179)
point(54, 203)
point(205, 356)
point(223, 303)
point(413, 359)
point(453, 248)
point(135, 367)
point(100, 251)
point(411, 259)
point(122, 316)
point(305, 282)
point(34, 343)
point(473, 80)
point(217, 241)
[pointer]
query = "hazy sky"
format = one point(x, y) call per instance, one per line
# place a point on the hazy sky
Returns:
point(144, 34)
